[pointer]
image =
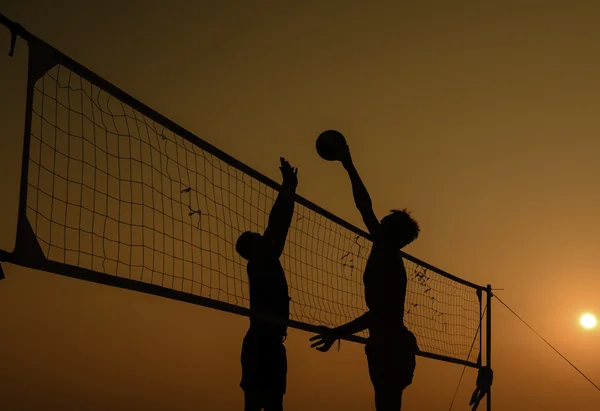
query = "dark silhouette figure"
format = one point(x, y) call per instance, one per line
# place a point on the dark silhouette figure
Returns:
point(391, 347)
point(264, 361)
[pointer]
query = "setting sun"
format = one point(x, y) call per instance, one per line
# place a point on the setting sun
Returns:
point(588, 321)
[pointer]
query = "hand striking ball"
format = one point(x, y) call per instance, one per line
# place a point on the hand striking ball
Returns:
point(329, 145)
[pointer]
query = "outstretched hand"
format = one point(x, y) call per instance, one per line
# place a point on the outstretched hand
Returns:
point(325, 340)
point(289, 174)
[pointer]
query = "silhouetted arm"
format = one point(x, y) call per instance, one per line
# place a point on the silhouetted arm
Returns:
point(325, 340)
point(362, 199)
point(354, 326)
point(281, 214)
point(280, 220)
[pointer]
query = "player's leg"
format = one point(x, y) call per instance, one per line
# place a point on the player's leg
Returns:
point(274, 402)
point(277, 376)
point(388, 397)
point(253, 401)
point(394, 374)
point(391, 370)
point(388, 394)
point(251, 367)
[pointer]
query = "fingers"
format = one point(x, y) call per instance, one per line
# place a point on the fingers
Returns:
point(322, 343)
point(286, 164)
point(323, 347)
point(318, 342)
point(289, 173)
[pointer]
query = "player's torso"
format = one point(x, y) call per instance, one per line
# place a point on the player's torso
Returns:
point(268, 288)
point(385, 284)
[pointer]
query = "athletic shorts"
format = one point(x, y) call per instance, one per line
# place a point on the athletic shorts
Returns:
point(264, 363)
point(391, 356)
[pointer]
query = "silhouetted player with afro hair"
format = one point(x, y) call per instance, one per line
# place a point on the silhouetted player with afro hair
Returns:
point(391, 348)
point(264, 362)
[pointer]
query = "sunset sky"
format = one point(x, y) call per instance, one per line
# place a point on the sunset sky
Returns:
point(482, 120)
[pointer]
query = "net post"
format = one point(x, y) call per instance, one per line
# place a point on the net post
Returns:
point(480, 298)
point(41, 59)
point(488, 341)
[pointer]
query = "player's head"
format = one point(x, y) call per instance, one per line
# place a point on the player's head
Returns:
point(399, 228)
point(247, 243)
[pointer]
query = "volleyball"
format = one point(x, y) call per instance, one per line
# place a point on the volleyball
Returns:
point(329, 144)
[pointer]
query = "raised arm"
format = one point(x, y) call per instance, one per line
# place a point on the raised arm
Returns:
point(281, 214)
point(362, 199)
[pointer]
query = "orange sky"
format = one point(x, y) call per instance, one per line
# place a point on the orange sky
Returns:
point(483, 119)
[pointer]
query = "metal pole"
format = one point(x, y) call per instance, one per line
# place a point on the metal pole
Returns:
point(480, 357)
point(489, 341)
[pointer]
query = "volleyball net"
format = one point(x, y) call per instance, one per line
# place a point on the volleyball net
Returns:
point(115, 193)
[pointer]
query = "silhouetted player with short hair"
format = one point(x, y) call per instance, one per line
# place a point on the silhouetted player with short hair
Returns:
point(264, 362)
point(391, 347)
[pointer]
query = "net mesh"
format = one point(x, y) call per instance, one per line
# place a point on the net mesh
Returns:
point(114, 191)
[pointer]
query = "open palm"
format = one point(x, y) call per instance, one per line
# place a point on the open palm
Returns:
point(324, 341)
